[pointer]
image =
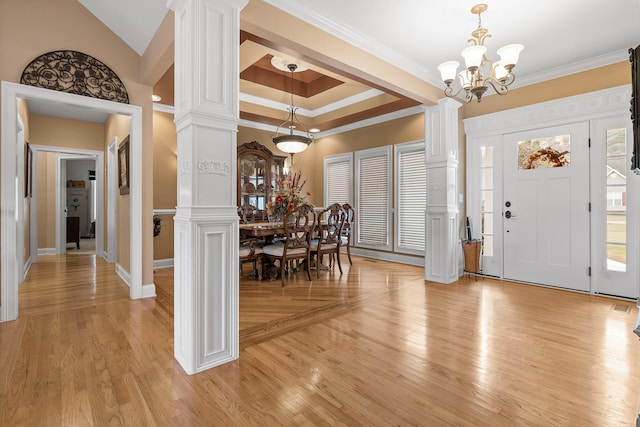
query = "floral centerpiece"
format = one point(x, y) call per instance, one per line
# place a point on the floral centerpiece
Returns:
point(287, 197)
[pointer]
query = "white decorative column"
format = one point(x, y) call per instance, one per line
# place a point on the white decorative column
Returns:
point(206, 223)
point(441, 217)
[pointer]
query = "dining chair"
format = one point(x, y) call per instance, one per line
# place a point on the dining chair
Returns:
point(329, 227)
point(247, 214)
point(298, 229)
point(250, 250)
point(347, 228)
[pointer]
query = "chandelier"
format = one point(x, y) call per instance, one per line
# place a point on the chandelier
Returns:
point(289, 142)
point(479, 71)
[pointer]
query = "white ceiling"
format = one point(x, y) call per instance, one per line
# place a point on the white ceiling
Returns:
point(134, 21)
point(560, 36)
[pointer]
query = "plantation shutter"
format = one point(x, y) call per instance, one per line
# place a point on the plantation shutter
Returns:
point(373, 199)
point(338, 179)
point(411, 198)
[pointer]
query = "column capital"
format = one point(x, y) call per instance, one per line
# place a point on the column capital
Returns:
point(450, 103)
point(181, 4)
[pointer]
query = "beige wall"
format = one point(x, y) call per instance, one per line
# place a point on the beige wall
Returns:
point(118, 126)
point(46, 200)
point(42, 26)
point(58, 132)
point(588, 81)
point(165, 156)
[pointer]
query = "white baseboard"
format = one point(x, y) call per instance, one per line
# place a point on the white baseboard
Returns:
point(46, 251)
point(123, 274)
point(149, 291)
point(387, 256)
point(162, 263)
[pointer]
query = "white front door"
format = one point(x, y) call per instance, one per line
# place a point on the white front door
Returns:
point(546, 206)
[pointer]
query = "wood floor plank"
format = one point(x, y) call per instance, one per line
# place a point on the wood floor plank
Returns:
point(375, 346)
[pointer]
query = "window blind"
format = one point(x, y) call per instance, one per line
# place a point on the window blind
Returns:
point(374, 197)
point(338, 188)
point(411, 199)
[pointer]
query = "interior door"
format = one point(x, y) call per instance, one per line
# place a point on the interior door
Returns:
point(546, 206)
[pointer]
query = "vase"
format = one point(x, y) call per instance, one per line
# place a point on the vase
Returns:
point(275, 218)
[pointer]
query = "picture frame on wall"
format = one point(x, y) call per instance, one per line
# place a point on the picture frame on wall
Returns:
point(28, 170)
point(123, 166)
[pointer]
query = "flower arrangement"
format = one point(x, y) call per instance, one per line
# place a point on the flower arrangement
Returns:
point(287, 197)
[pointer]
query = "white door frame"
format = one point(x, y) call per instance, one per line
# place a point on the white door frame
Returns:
point(488, 130)
point(112, 201)
point(9, 274)
point(61, 195)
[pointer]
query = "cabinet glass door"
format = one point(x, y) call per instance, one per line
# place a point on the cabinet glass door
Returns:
point(276, 175)
point(252, 181)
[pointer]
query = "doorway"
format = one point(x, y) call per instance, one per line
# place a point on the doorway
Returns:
point(60, 159)
point(576, 225)
point(12, 221)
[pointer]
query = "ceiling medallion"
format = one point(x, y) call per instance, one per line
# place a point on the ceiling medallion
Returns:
point(479, 71)
point(75, 72)
point(282, 64)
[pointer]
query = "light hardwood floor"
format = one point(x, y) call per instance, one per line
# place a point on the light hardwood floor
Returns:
point(375, 346)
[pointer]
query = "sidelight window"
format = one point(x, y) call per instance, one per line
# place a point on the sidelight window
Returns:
point(616, 178)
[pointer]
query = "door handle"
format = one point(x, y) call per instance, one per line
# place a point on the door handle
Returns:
point(508, 215)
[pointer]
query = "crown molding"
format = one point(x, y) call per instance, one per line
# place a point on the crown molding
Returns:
point(163, 108)
point(418, 109)
point(575, 67)
point(263, 102)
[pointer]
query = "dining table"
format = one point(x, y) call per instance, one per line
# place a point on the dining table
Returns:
point(267, 231)
point(262, 229)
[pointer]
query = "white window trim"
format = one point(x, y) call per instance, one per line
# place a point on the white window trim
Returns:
point(359, 156)
point(407, 147)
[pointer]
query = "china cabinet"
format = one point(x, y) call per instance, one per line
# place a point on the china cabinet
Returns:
point(258, 173)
